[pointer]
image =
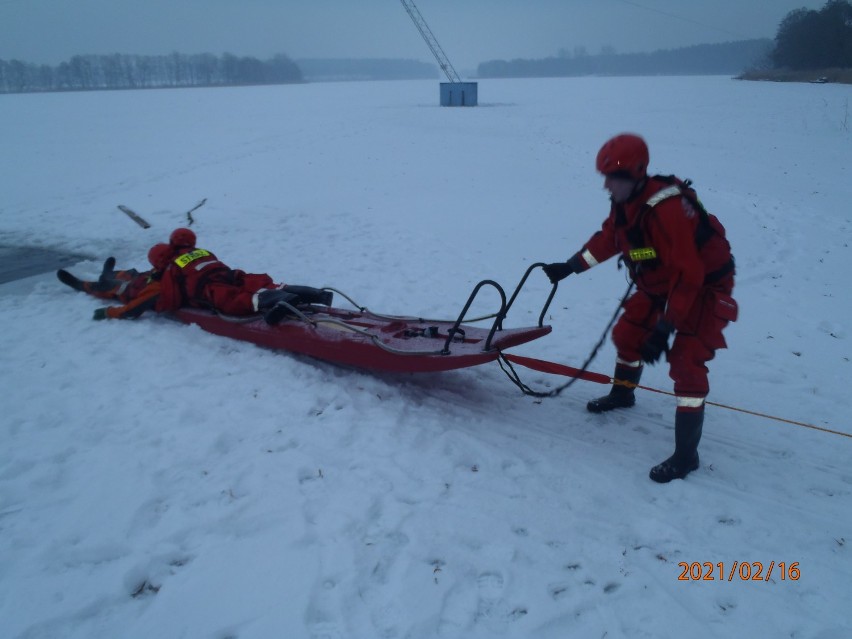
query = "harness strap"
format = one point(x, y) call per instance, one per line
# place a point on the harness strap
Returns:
point(208, 268)
point(209, 275)
point(718, 274)
point(703, 232)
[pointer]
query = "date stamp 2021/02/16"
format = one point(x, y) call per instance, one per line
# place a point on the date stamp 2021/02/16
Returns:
point(739, 571)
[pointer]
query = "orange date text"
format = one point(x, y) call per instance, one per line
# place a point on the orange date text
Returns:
point(739, 571)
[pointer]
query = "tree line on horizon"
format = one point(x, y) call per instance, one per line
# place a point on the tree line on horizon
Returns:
point(120, 71)
point(806, 40)
point(353, 69)
point(702, 59)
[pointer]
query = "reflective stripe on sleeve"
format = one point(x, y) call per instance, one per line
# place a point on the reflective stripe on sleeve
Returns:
point(588, 258)
point(202, 265)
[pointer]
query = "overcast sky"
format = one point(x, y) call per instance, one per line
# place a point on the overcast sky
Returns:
point(470, 31)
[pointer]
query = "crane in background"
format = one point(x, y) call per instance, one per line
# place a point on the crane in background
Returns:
point(431, 41)
point(454, 92)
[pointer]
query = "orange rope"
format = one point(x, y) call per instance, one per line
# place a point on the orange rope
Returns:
point(561, 369)
point(739, 410)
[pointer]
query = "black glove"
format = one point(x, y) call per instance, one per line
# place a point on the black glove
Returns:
point(100, 314)
point(657, 342)
point(558, 271)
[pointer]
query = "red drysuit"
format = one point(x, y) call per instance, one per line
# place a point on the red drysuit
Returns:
point(682, 265)
point(195, 277)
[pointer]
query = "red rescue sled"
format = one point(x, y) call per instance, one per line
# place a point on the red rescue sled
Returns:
point(363, 339)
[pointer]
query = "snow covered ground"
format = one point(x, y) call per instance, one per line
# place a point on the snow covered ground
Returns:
point(158, 481)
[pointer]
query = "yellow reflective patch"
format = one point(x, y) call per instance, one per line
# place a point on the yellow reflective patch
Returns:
point(648, 253)
point(190, 257)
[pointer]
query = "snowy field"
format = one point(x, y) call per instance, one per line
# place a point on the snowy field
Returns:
point(158, 481)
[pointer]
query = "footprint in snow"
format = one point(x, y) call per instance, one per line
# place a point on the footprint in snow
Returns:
point(145, 581)
point(726, 605)
point(320, 620)
point(492, 607)
point(149, 514)
point(558, 591)
point(490, 586)
point(313, 489)
point(307, 476)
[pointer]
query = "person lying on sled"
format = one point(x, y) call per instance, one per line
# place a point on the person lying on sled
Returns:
point(184, 275)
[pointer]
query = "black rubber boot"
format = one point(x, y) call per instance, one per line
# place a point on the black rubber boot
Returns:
point(688, 425)
point(110, 280)
point(266, 299)
point(106, 281)
point(278, 312)
point(309, 294)
point(69, 280)
point(275, 305)
point(620, 396)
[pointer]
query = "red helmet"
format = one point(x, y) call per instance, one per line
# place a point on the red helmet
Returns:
point(160, 255)
point(626, 153)
point(182, 238)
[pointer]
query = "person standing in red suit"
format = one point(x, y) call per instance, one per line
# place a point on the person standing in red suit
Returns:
point(681, 262)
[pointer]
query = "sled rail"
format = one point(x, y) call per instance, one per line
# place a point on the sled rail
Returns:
point(520, 286)
point(504, 308)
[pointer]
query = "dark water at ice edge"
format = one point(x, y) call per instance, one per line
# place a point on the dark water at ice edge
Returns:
point(17, 262)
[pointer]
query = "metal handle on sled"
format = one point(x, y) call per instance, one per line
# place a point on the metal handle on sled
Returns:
point(497, 322)
point(504, 308)
point(518, 290)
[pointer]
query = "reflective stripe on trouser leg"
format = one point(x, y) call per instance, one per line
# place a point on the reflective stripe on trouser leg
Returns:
point(624, 362)
point(689, 404)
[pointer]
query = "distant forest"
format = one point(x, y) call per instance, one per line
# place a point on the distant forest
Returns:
point(815, 39)
point(807, 40)
point(117, 71)
point(336, 69)
point(704, 59)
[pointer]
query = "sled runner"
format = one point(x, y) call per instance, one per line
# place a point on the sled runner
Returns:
point(363, 339)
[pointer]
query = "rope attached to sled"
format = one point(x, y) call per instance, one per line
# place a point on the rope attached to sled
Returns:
point(576, 374)
point(569, 371)
point(367, 311)
point(583, 373)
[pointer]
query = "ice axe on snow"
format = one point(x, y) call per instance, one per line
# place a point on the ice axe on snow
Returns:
point(133, 215)
point(189, 217)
